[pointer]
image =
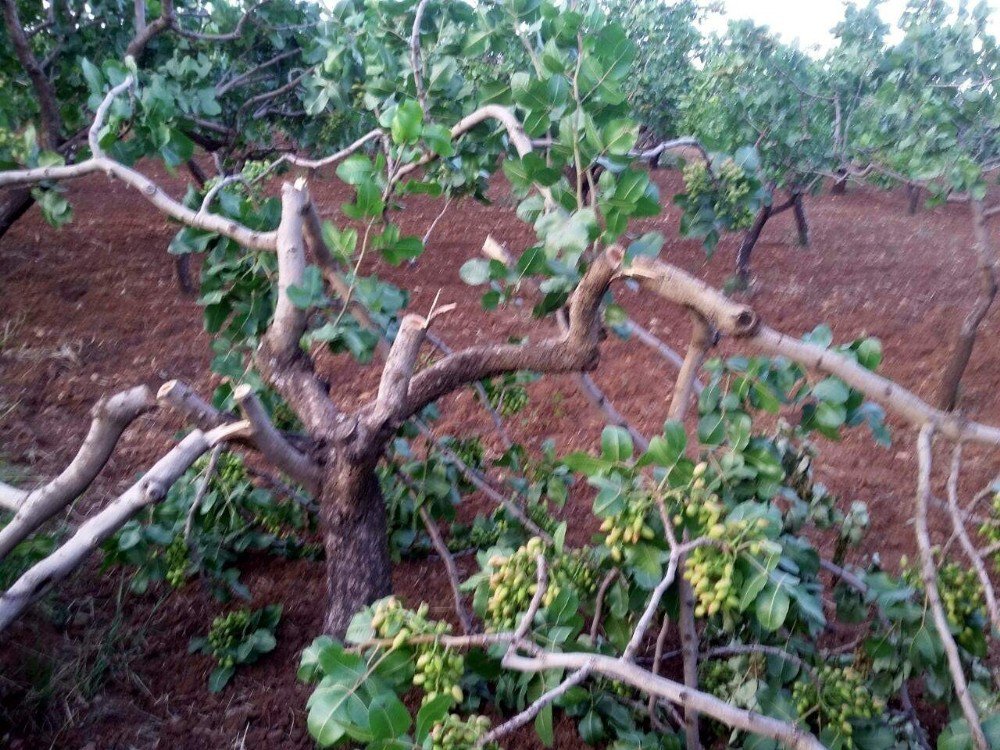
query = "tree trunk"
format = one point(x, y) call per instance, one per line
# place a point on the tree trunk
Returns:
point(746, 247)
point(840, 184)
point(358, 567)
point(800, 219)
point(962, 350)
point(14, 207)
point(914, 192)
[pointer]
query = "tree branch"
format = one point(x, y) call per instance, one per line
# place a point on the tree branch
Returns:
point(110, 417)
point(150, 489)
point(742, 322)
point(273, 446)
point(929, 575)
point(966, 542)
point(48, 105)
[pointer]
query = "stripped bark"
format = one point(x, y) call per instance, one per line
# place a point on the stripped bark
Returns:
point(150, 489)
point(110, 417)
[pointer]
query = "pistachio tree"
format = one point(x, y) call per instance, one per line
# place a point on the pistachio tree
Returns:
point(753, 90)
point(708, 529)
point(931, 124)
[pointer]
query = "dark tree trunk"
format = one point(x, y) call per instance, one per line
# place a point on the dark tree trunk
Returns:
point(182, 263)
point(800, 219)
point(966, 340)
point(746, 247)
point(15, 206)
point(840, 184)
point(914, 192)
point(358, 567)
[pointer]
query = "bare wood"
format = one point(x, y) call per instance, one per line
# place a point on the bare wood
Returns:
point(740, 321)
point(701, 340)
point(784, 732)
point(299, 161)
point(928, 574)
point(646, 337)
point(151, 192)
point(601, 402)
point(109, 418)
point(535, 708)
point(269, 441)
point(574, 351)
point(684, 289)
point(963, 538)
point(179, 396)
point(150, 31)
point(150, 489)
point(289, 321)
point(689, 655)
point(398, 371)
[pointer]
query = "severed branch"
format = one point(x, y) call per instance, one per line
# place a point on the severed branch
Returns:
point(269, 441)
point(928, 574)
point(150, 489)
point(740, 321)
point(702, 339)
point(110, 417)
point(449, 565)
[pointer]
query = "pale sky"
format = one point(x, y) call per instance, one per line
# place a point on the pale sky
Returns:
point(808, 21)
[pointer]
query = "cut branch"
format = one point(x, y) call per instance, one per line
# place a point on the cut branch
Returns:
point(928, 574)
point(150, 489)
point(110, 417)
point(269, 441)
point(741, 322)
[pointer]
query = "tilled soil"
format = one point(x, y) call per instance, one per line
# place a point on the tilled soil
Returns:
point(94, 307)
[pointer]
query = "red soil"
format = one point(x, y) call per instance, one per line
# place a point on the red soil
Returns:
point(94, 308)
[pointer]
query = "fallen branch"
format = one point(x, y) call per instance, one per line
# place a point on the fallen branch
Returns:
point(110, 417)
point(150, 489)
point(928, 574)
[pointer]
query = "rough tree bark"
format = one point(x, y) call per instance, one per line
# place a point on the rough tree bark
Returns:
point(913, 192)
point(839, 186)
point(358, 566)
point(801, 224)
point(962, 350)
point(747, 246)
point(16, 204)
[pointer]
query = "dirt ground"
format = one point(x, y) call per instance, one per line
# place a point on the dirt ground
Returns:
point(94, 308)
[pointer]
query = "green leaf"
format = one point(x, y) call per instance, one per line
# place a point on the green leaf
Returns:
point(616, 443)
point(772, 607)
point(219, 678)
point(869, 353)
point(407, 122)
point(832, 390)
point(388, 717)
point(475, 271)
point(430, 714)
point(543, 726)
point(830, 415)
point(355, 169)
